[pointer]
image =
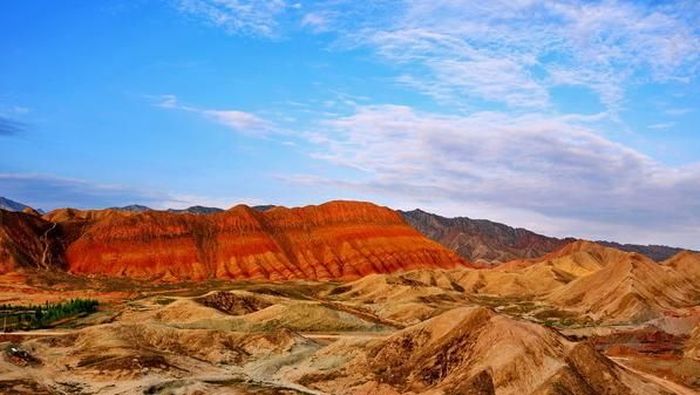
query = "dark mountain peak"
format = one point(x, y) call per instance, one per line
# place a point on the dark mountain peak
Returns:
point(481, 239)
point(134, 208)
point(494, 242)
point(197, 210)
point(11, 205)
point(264, 207)
point(653, 251)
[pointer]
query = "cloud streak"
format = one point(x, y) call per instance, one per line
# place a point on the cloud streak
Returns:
point(238, 121)
point(49, 192)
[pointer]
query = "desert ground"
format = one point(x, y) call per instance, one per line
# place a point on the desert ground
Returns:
point(516, 329)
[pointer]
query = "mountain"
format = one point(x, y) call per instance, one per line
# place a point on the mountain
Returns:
point(27, 241)
point(579, 284)
point(317, 338)
point(479, 240)
point(655, 252)
point(197, 210)
point(11, 205)
point(134, 208)
point(482, 240)
point(338, 239)
point(264, 207)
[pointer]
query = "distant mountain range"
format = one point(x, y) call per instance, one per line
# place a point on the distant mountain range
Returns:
point(480, 240)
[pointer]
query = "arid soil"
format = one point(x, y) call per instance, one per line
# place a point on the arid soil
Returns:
point(459, 331)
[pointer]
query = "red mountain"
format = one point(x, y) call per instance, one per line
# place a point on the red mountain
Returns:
point(338, 239)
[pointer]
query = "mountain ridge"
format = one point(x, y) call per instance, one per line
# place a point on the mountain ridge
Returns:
point(481, 240)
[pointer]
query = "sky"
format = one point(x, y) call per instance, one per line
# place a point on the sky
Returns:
point(570, 118)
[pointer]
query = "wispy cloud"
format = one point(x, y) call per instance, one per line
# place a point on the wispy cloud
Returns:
point(317, 21)
point(250, 17)
point(678, 111)
point(662, 126)
point(238, 121)
point(515, 52)
point(463, 52)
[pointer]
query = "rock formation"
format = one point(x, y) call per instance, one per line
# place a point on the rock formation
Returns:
point(334, 240)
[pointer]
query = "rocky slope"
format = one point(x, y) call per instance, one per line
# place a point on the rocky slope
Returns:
point(479, 240)
point(628, 287)
point(27, 241)
point(687, 263)
point(333, 240)
point(455, 353)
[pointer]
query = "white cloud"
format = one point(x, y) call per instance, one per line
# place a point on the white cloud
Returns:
point(167, 101)
point(316, 21)
point(238, 120)
point(558, 168)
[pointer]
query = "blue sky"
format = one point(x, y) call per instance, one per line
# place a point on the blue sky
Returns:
point(566, 117)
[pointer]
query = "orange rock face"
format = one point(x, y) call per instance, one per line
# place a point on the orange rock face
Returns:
point(336, 240)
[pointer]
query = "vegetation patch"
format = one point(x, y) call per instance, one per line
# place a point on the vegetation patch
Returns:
point(14, 317)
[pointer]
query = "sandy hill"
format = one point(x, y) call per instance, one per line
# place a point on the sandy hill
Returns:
point(582, 282)
point(627, 286)
point(467, 351)
point(692, 348)
point(686, 263)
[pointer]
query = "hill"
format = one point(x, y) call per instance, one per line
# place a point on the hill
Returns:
point(628, 287)
point(468, 351)
point(334, 240)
